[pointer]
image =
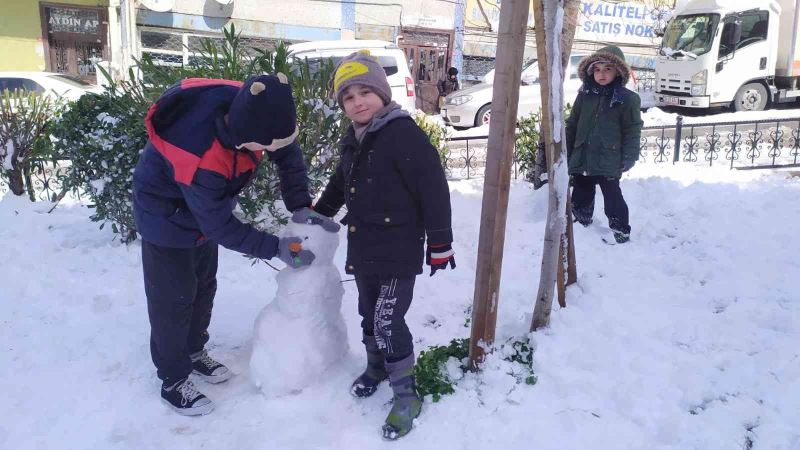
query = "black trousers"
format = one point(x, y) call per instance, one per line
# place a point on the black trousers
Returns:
point(382, 303)
point(583, 191)
point(180, 284)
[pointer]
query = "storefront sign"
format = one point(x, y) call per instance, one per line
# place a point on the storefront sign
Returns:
point(625, 22)
point(67, 20)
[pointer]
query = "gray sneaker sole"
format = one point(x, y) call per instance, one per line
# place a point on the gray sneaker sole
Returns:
point(214, 379)
point(195, 411)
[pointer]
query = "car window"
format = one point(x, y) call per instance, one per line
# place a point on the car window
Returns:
point(13, 84)
point(574, 60)
point(754, 29)
point(389, 63)
point(530, 73)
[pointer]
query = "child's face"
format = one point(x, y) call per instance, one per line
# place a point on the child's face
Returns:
point(604, 74)
point(360, 103)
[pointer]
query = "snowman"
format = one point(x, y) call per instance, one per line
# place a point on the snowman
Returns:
point(301, 334)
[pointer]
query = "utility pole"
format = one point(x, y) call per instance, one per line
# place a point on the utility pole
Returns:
point(129, 35)
point(497, 181)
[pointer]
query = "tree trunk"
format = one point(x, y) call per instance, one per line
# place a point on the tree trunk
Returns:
point(16, 182)
point(497, 179)
point(550, 18)
point(567, 251)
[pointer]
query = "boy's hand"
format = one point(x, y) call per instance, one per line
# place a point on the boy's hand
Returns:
point(438, 256)
point(627, 165)
point(290, 251)
point(311, 217)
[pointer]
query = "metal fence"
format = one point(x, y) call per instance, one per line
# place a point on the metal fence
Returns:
point(43, 179)
point(769, 143)
point(756, 144)
point(760, 144)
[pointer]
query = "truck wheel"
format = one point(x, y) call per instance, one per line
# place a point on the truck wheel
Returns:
point(751, 97)
point(484, 115)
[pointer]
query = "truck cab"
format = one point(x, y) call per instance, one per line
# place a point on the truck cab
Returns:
point(717, 53)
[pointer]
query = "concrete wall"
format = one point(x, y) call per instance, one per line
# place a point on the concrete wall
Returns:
point(21, 40)
point(304, 20)
point(301, 20)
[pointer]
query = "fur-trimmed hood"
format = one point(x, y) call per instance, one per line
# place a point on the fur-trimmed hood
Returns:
point(611, 54)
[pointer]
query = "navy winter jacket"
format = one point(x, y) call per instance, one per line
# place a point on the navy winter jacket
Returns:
point(189, 174)
point(396, 193)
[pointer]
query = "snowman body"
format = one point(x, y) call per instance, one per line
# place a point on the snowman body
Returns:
point(301, 333)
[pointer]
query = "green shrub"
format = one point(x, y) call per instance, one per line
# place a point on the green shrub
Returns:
point(532, 163)
point(437, 134)
point(102, 137)
point(433, 377)
point(527, 144)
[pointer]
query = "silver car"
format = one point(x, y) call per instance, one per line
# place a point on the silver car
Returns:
point(472, 107)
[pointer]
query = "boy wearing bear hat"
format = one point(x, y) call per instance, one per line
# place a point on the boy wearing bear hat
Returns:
point(206, 140)
point(392, 181)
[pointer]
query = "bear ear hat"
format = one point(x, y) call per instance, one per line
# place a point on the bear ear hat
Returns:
point(257, 88)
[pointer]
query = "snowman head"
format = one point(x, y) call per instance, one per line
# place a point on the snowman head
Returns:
point(322, 243)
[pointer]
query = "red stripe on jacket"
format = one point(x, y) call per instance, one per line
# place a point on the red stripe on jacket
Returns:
point(220, 160)
point(184, 164)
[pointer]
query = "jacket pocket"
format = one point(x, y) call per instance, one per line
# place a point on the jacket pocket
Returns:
point(610, 154)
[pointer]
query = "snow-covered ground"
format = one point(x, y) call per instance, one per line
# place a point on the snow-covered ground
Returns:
point(686, 338)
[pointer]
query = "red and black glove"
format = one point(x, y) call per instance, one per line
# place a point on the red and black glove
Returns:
point(438, 255)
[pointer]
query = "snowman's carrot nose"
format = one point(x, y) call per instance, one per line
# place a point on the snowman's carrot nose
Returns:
point(295, 247)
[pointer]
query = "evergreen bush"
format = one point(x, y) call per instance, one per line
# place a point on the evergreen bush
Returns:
point(437, 133)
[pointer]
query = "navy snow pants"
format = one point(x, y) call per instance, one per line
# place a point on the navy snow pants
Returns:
point(382, 303)
point(180, 284)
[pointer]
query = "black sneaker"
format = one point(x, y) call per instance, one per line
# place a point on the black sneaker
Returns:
point(621, 237)
point(209, 369)
point(185, 399)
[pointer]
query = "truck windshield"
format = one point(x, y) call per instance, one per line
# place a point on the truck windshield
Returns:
point(693, 34)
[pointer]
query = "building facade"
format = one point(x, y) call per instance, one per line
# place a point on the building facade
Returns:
point(70, 36)
point(66, 36)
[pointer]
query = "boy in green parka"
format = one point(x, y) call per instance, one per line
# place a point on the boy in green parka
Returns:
point(603, 134)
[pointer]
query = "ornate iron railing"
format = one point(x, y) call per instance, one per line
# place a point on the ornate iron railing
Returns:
point(768, 143)
point(755, 144)
point(43, 179)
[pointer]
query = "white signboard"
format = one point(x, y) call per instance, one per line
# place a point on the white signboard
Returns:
point(623, 22)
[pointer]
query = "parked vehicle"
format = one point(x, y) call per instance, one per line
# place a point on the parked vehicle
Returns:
point(391, 57)
point(472, 107)
point(47, 83)
point(728, 53)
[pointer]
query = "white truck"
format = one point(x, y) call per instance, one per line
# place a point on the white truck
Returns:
point(739, 53)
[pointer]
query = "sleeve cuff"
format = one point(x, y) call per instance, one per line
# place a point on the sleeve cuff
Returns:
point(324, 209)
point(439, 237)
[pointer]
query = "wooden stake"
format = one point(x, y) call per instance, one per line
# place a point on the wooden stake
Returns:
point(497, 180)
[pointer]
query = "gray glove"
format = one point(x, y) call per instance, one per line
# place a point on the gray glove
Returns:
point(627, 165)
point(311, 217)
point(290, 251)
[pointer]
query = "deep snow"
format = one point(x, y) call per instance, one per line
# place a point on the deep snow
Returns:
point(686, 338)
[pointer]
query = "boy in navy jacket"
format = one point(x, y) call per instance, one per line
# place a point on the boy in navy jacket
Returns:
point(392, 182)
point(206, 139)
